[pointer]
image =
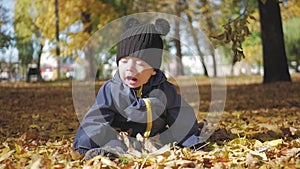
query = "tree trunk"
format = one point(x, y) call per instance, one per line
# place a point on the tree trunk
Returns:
point(39, 63)
point(177, 41)
point(274, 55)
point(196, 42)
point(57, 39)
point(211, 26)
point(86, 20)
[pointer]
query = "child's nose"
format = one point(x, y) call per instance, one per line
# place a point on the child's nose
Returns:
point(131, 65)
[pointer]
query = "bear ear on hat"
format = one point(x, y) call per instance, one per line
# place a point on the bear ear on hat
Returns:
point(162, 26)
point(131, 22)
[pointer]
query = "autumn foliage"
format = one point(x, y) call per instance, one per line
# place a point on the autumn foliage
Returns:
point(260, 128)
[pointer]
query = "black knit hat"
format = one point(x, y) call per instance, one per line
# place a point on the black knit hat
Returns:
point(143, 41)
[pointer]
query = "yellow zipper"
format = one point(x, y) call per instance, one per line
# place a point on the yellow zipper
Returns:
point(149, 118)
point(149, 112)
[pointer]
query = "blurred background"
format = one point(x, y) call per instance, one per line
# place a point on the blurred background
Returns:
point(40, 40)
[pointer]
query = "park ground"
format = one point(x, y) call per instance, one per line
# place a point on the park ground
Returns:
point(259, 128)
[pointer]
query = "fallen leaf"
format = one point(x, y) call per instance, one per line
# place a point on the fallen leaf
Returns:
point(6, 155)
point(74, 154)
point(259, 155)
point(108, 162)
point(293, 130)
point(36, 164)
point(273, 143)
point(251, 161)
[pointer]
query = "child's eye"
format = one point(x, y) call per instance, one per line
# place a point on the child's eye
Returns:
point(123, 60)
point(140, 63)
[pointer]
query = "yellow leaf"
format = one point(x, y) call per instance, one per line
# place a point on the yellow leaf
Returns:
point(108, 162)
point(274, 143)
point(249, 133)
point(36, 164)
point(293, 130)
point(257, 144)
point(271, 127)
point(263, 167)
point(262, 155)
point(160, 159)
point(74, 154)
point(6, 155)
point(18, 148)
point(236, 131)
point(260, 119)
point(239, 141)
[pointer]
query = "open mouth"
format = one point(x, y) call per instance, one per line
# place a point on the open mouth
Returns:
point(132, 80)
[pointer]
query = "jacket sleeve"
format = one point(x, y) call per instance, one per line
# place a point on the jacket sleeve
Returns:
point(180, 118)
point(131, 107)
point(95, 129)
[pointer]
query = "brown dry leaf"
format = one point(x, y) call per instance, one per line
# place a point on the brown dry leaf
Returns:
point(219, 165)
point(261, 119)
point(246, 113)
point(289, 155)
point(179, 162)
point(74, 154)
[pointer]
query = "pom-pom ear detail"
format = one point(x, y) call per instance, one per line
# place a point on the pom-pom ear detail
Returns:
point(162, 26)
point(131, 22)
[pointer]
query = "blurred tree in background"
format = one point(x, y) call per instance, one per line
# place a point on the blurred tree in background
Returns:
point(5, 38)
point(26, 33)
point(6, 41)
point(235, 26)
point(291, 25)
point(292, 42)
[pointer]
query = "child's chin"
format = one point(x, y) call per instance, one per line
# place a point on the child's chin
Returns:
point(133, 86)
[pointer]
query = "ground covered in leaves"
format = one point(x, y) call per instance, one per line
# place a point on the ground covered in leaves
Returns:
point(260, 128)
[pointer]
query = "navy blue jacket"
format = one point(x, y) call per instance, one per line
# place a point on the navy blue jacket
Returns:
point(117, 108)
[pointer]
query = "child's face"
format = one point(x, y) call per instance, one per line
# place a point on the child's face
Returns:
point(134, 72)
